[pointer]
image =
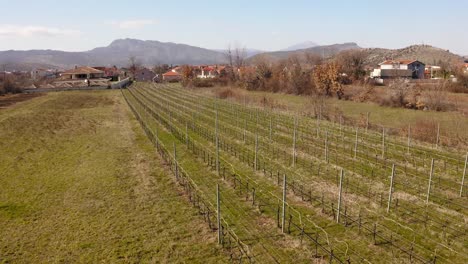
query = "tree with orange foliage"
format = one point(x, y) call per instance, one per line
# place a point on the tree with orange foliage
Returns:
point(326, 79)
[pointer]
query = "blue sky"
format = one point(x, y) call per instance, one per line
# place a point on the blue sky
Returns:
point(268, 25)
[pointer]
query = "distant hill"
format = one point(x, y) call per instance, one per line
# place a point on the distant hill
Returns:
point(425, 53)
point(304, 45)
point(248, 52)
point(148, 53)
point(326, 51)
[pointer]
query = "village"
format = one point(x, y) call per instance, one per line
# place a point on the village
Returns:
point(99, 76)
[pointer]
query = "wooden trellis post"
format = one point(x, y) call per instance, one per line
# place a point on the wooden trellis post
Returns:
point(390, 192)
point(367, 122)
point(430, 181)
point(270, 127)
point(283, 213)
point(175, 161)
point(409, 138)
point(217, 143)
point(340, 189)
point(186, 134)
point(463, 176)
point(383, 142)
point(326, 146)
point(218, 211)
point(294, 144)
point(256, 152)
point(438, 135)
point(356, 143)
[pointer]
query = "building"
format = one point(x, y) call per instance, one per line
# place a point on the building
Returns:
point(112, 73)
point(214, 71)
point(432, 72)
point(172, 76)
point(208, 72)
point(82, 73)
point(144, 75)
point(44, 73)
point(390, 69)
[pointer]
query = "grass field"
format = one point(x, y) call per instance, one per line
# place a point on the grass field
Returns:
point(80, 182)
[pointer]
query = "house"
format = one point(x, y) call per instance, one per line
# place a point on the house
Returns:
point(172, 76)
point(82, 73)
point(208, 72)
point(43, 73)
point(389, 69)
point(432, 72)
point(144, 75)
point(112, 73)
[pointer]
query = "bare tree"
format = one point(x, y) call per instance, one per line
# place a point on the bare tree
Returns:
point(236, 60)
point(313, 59)
point(240, 56)
point(352, 63)
point(134, 65)
point(229, 56)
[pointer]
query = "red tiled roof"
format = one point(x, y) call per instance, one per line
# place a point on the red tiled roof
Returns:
point(82, 70)
point(171, 73)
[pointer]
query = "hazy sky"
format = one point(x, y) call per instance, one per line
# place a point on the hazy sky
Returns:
point(268, 25)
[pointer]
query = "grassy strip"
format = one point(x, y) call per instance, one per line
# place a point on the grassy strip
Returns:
point(81, 183)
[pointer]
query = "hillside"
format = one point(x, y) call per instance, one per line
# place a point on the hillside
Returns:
point(325, 51)
point(148, 53)
point(299, 46)
point(424, 53)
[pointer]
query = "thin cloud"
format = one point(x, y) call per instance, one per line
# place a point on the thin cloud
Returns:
point(7, 30)
point(133, 24)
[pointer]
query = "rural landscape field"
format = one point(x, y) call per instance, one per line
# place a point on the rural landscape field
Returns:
point(132, 175)
point(234, 132)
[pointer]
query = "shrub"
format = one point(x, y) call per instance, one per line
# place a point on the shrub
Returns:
point(225, 93)
point(200, 83)
point(436, 98)
point(397, 94)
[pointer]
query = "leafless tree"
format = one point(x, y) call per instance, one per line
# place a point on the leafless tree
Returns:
point(236, 60)
point(313, 59)
point(352, 63)
point(240, 56)
point(134, 65)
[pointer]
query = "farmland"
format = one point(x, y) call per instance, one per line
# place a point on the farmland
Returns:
point(81, 183)
point(296, 188)
point(160, 173)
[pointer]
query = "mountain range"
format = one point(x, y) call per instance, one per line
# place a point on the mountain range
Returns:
point(325, 51)
point(150, 53)
point(300, 46)
point(118, 53)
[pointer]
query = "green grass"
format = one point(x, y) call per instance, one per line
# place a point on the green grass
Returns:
point(80, 182)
